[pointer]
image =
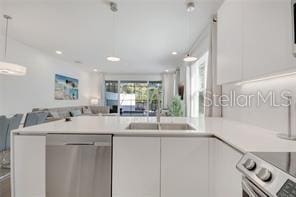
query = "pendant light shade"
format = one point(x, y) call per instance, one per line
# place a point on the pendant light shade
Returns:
point(12, 69)
point(189, 58)
point(113, 59)
point(8, 68)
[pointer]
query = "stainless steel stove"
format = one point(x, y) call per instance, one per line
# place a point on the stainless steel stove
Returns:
point(268, 174)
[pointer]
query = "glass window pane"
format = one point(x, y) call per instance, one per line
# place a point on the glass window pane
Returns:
point(133, 98)
point(155, 88)
point(111, 95)
point(197, 86)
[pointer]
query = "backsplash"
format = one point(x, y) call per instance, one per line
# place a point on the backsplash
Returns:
point(271, 113)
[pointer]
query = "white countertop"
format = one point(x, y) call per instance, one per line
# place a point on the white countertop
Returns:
point(244, 137)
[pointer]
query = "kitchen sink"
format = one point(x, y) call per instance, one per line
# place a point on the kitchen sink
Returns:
point(175, 126)
point(159, 126)
point(143, 126)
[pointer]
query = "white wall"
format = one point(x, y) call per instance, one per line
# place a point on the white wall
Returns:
point(36, 89)
point(263, 115)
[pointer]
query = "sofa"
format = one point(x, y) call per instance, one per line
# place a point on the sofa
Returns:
point(64, 112)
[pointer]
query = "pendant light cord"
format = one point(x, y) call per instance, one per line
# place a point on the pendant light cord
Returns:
point(6, 39)
point(6, 35)
point(188, 32)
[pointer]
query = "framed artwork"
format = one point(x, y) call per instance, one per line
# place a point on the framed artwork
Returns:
point(66, 88)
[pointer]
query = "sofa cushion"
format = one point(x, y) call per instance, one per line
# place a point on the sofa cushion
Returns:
point(86, 110)
point(54, 114)
point(100, 109)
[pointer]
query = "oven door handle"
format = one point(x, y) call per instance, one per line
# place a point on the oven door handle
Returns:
point(248, 189)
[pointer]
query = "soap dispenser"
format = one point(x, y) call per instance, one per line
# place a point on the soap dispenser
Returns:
point(291, 134)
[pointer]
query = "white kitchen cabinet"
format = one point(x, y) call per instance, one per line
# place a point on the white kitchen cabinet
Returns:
point(266, 43)
point(28, 166)
point(224, 177)
point(184, 167)
point(230, 41)
point(136, 167)
point(254, 39)
point(166, 167)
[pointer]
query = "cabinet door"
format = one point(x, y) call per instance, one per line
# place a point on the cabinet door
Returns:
point(136, 167)
point(229, 51)
point(266, 42)
point(225, 178)
point(184, 167)
point(28, 166)
point(5, 188)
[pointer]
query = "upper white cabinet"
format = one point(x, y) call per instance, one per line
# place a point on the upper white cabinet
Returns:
point(136, 167)
point(254, 39)
point(266, 37)
point(184, 167)
point(230, 32)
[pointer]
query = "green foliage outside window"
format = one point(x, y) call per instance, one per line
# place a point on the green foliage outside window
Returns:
point(177, 107)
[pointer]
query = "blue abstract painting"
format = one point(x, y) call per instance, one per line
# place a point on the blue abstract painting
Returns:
point(66, 88)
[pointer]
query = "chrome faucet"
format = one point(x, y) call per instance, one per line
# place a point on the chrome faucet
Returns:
point(158, 107)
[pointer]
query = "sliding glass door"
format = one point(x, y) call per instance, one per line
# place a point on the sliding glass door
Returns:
point(154, 94)
point(111, 95)
point(133, 98)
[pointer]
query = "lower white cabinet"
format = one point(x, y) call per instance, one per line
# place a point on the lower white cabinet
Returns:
point(184, 167)
point(143, 167)
point(225, 178)
point(160, 167)
point(28, 166)
point(136, 167)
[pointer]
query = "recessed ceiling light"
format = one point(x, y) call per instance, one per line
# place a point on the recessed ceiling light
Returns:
point(166, 71)
point(113, 59)
point(174, 53)
point(189, 58)
point(95, 70)
point(59, 52)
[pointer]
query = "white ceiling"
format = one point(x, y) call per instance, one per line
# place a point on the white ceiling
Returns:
point(147, 31)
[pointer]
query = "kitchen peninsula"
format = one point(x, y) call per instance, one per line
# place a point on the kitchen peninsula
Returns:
point(145, 162)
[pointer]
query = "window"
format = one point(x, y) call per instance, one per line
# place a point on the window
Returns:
point(197, 86)
point(133, 98)
point(154, 94)
point(111, 95)
point(112, 86)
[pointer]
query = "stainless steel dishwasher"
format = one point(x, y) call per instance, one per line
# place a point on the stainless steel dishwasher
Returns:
point(78, 165)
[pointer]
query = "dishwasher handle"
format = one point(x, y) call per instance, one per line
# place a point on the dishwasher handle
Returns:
point(80, 144)
point(88, 144)
point(79, 140)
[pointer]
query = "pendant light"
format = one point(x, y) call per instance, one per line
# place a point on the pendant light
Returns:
point(113, 8)
point(8, 68)
point(190, 6)
point(189, 58)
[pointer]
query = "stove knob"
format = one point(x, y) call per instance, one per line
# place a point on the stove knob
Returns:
point(250, 164)
point(264, 175)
